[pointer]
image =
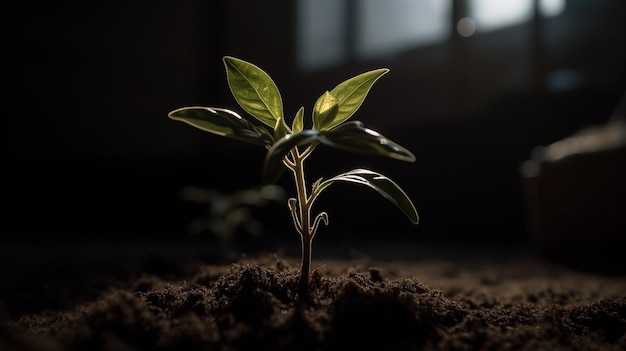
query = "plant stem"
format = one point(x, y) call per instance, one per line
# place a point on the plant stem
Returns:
point(303, 284)
point(304, 215)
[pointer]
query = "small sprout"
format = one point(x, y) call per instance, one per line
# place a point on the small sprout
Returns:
point(226, 213)
point(288, 148)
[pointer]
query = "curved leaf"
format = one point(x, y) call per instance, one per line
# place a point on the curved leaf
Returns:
point(254, 90)
point(350, 95)
point(223, 122)
point(321, 217)
point(354, 137)
point(383, 185)
point(273, 164)
point(351, 136)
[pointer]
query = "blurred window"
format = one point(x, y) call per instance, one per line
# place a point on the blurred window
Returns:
point(388, 27)
point(333, 31)
point(321, 31)
point(490, 15)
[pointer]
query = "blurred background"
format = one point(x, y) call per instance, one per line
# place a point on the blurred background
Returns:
point(474, 87)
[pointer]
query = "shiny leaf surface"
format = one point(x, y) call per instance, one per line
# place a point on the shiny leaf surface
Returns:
point(383, 185)
point(354, 137)
point(351, 136)
point(223, 122)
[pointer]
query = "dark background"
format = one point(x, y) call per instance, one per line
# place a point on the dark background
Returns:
point(95, 159)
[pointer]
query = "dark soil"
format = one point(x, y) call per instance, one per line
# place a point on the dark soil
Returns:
point(250, 303)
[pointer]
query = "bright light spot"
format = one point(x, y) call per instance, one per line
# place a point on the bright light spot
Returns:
point(551, 8)
point(496, 14)
point(466, 27)
point(372, 132)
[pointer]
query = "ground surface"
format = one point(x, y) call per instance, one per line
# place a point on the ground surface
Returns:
point(454, 302)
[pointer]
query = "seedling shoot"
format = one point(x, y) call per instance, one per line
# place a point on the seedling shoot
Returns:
point(289, 145)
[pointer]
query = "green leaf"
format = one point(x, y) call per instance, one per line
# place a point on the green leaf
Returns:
point(254, 90)
point(350, 95)
point(298, 121)
point(324, 111)
point(354, 137)
point(351, 136)
point(383, 185)
point(223, 122)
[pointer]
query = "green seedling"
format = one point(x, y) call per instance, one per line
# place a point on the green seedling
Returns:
point(228, 213)
point(288, 146)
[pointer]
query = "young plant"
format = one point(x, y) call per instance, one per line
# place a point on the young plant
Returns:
point(289, 146)
point(228, 213)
